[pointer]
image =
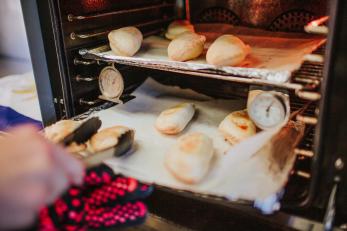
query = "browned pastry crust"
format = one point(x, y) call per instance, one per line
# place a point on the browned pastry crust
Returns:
point(173, 120)
point(227, 50)
point(237, 126)
point(125, 41)
point(75, 148)
point(107, 138)
point(56, 132)
point(177, 28)
point(190, 158)
point(186, 46)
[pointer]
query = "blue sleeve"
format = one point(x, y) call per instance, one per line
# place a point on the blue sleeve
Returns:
point(10, 118)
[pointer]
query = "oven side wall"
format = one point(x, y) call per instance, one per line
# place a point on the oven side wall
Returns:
point(45, 50)
point(331, 136)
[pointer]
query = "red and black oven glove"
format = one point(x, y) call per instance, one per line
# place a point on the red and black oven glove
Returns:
point(104, 201)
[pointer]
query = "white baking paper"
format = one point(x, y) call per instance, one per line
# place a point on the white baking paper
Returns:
point(146, 161)
point(274, 56)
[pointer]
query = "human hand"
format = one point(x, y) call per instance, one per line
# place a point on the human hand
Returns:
point(33, 173)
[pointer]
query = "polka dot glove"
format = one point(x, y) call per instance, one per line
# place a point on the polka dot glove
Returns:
point(105, 200)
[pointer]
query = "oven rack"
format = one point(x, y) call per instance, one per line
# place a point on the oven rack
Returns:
point(304, 82)
point(72, 17)
point(88, 35)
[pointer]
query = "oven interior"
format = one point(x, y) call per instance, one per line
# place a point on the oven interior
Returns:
point(84, 24)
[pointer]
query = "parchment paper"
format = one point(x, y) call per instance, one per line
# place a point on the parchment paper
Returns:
point(274, 56)
point(146, 161)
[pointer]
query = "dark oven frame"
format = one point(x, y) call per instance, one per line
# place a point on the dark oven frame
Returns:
point(328, 192)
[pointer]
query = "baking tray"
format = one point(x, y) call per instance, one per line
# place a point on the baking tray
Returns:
point(146, 161)
point(274, 57)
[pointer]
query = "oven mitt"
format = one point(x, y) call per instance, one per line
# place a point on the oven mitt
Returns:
point(104, 201)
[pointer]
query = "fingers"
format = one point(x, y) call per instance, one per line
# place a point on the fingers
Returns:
point(29, 162)
point(65, 170)
point(64, 167)
point(33, 172)
point(23, 153)
point(23, 130)
point(57, 184)
point(72, 167)
point(26, 194)
point(14, 218)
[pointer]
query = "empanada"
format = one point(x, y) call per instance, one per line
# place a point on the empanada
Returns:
point(237, 126)
point(190, 158)
point(58, 131)
point(177, 28)
point(108, 138)
point(174, 120)
point(227, 50)
point(187, 46)
point(125, 41)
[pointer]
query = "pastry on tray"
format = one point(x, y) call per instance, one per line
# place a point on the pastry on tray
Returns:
point(58, 131)
point(76, 148)
point(227, 50)
point(178, 27)
point(237, 126)
point(190, 158)
point(111, 137)
point(125, 41)
point(173, 120)
point(186, 46)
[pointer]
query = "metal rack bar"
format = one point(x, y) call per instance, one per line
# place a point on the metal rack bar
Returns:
point(77, 61)
point(72, 17)
point(303, 152)
point(308, 95)
point(89, 102)
point(307, 119)
point(75, 35)
point(305, 80)
point(315, 27)
point(238, 79)
point(80, 78)
point(314, 58)
point(303, 174)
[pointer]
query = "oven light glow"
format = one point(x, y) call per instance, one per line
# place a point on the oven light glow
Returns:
point(316, 26)
point(94, 4)
point(319, 21)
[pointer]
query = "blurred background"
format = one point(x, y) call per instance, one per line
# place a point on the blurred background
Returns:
point(14, 51)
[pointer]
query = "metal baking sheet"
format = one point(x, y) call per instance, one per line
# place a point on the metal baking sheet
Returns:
point(231, 174)
point(274, 57)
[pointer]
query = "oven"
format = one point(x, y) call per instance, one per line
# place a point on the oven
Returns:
point(63, 33)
